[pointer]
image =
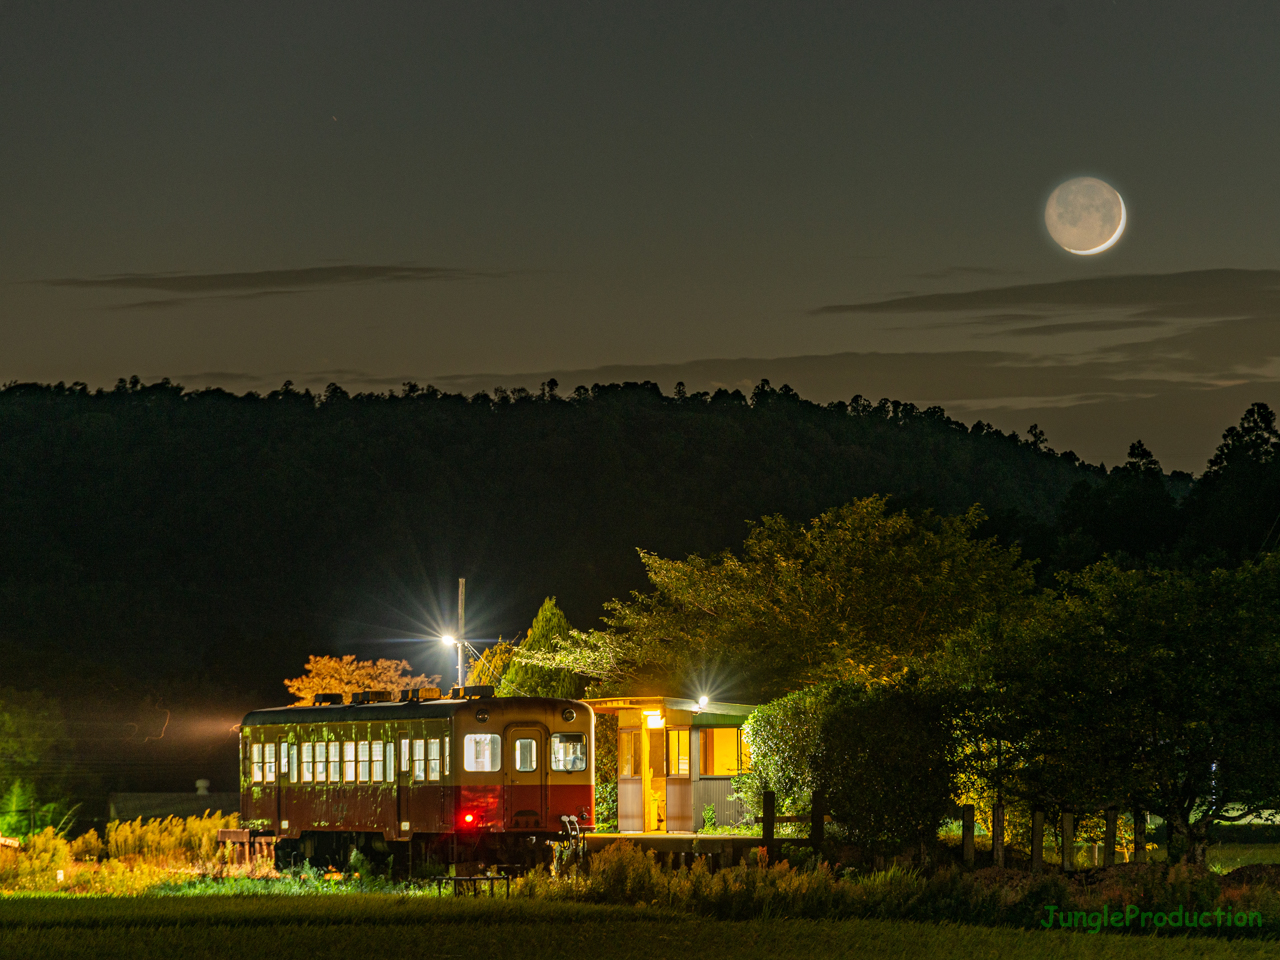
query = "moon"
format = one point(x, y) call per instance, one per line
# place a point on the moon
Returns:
point(1085, 216)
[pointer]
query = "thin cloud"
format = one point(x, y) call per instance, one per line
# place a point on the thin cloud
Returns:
point(1078, 326)
point(270, 280)
point(1193, 294)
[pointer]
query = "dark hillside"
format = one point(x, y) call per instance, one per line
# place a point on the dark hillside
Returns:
point(173, 533)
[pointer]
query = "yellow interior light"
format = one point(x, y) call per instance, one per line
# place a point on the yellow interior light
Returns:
point(654, 720)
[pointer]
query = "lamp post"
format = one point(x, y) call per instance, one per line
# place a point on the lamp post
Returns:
point(462, 625)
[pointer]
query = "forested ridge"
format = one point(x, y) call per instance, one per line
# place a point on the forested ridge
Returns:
point(172, 532)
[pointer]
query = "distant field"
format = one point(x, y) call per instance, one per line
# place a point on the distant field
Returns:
point(308, 928)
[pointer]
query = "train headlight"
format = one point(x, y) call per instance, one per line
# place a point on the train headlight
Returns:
point(568, 714)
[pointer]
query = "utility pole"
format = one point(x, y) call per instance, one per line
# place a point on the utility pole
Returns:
point(462, 627)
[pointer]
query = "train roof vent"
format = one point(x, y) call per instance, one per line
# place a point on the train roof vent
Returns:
point(325, 699)
point(373, 696)
point(470, 693)
point(420, 693)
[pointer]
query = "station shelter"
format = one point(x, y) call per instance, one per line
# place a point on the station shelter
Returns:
point(674, 758)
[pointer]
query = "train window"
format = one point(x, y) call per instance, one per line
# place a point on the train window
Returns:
point(391, 761)
point(349, 761)
point(255, 762)
point(569, 752)
point(335, 762)
point(404, 755)
point(308, 765)
point(419, 760)
point(722, 752)
point(447, 754)
point(526, 755)
point(362, 761)
point(284, 759)
point(630, 756)
point(269, 767)
point(377, 748)
point(433, 759)
point(482, 752)
point(293, 763)
point(677, 753)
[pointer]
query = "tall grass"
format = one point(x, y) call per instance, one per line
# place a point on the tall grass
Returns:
point(172, 841)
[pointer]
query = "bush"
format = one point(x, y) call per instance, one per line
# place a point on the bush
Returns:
point(87, 846)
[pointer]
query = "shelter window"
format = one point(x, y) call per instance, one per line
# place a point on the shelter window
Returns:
point(404, 755)
point(308, 764)
point(378, 761)
point(482, 752)
point(569, 752)
point(349, 761)
point(255, 762)
point(391, 761)
point(722, 752)
point(335, 762)
point(433, 759)
point(526, 755)
point(270, 766)
point(677, 753)
point(630, 756)
point(292, 760)
point(362, 761)
point(419, 760)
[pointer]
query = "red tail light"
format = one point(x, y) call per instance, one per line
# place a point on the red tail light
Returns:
point(469, 818)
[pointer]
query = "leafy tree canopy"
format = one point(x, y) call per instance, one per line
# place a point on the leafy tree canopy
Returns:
point(859, 591)
point(1156, 688)
point(525, 677)
point(347, 675)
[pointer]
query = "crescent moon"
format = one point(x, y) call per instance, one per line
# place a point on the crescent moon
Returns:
point(1110, 242)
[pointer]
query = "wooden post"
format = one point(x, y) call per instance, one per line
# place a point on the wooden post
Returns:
point(817, 820)
point(966, 833)
point(997, 835)
point(1139, 836)
point(1068, 843)
point(1037, 840)
point(770, 815)
point(1109, 839)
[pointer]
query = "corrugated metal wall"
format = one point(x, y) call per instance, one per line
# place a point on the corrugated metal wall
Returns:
point(716, 790)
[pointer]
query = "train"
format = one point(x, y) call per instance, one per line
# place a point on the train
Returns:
point(419, 778)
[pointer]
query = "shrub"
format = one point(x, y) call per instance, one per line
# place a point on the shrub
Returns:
point(87, 846)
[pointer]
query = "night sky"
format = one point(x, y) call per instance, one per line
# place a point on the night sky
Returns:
point(839, 196)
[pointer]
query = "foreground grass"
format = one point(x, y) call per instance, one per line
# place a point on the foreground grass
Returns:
point(395, 927)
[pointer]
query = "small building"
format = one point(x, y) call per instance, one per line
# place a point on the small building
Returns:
point(674, 758)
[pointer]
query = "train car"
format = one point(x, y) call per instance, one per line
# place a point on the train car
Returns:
point(471, 777)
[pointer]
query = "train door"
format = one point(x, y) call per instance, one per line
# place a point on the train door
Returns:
point(403, 763)
point(525, 778)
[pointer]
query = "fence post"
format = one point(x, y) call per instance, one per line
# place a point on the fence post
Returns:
point(966, 833)
point(1068, 842)
point(1139, 836)
point(1109, 839)
point(1037, 840)
point(997, 835)
point(770, 813)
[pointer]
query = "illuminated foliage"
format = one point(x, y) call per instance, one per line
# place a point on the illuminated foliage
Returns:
point(861, 591)
point(550, 630)
point(347, 675)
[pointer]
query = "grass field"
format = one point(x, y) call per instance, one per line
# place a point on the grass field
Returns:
point(310, 928)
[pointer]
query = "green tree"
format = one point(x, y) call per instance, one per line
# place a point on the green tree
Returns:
point(526, 676)
point(861, 591)
point(32, 744)
point(1155, 688)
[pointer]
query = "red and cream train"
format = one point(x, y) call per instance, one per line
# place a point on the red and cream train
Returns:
point(462, 778)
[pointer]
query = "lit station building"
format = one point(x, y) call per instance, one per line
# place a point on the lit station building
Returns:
point(674, 757)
